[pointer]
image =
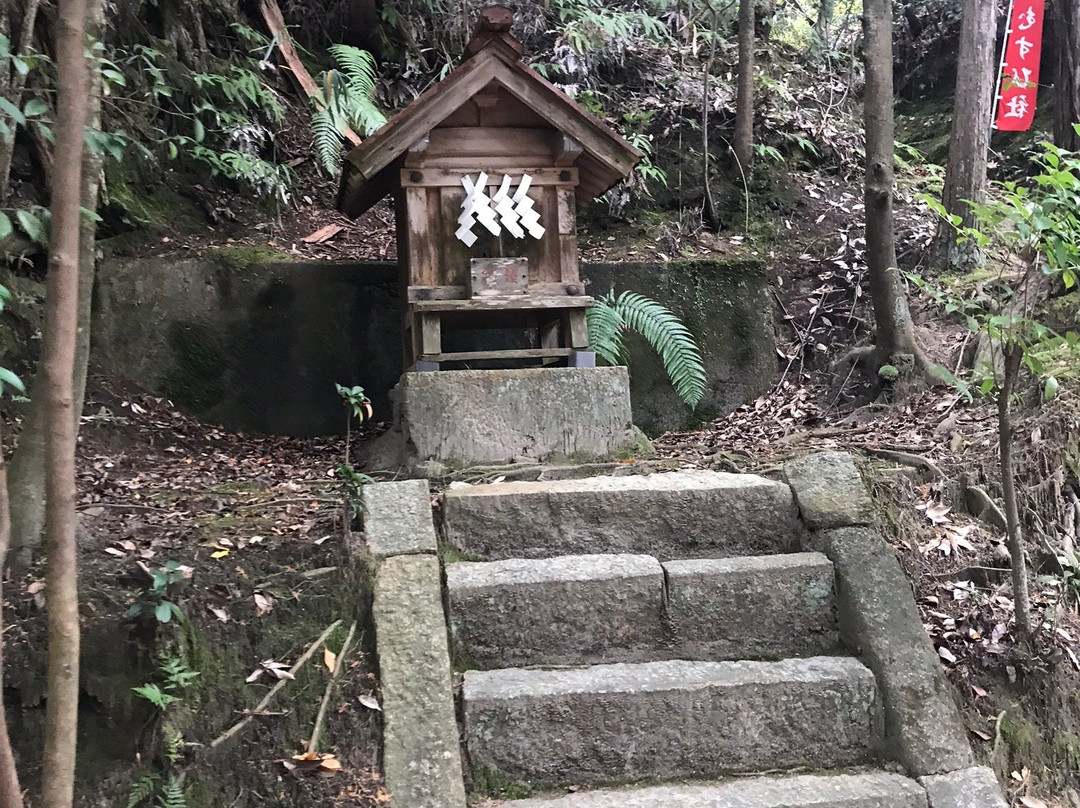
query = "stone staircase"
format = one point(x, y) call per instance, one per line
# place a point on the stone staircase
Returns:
point(692, 630)
point(620, 667)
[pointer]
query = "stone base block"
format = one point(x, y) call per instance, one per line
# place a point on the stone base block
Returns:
point(684, 514)
point(976, 787)
point(879, 618)
point(756, 607)
point(870, 790)
point(558, 611)
point(421, 755)
point(669, 719)
point(470, 417)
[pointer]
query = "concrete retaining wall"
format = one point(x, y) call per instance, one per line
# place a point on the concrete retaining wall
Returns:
point(241, 337)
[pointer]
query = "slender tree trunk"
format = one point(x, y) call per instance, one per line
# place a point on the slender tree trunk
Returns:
point(895, 332)
point(12, 84)
point(1066, 25)
point(743, 139)
point(1022, 605)
point(826, 9)
point(10, 791)
point(58, 366)
point(712, 217)
point(28, 462)
point(965, 175)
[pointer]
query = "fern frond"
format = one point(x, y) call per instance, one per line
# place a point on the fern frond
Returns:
point(326, 139)
point(172, 795)
point(672, 341)
point(142, 790)
point(174, 743)
point(357, 65)
point(357, 97)
point(605, 330)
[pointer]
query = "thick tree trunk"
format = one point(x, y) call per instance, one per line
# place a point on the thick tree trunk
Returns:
point(895, 333)
point(10, 791)
point(1066, 25)
point(1021, 603)
point(965, 175)
point(58, 367)
point(27, 479)
point(743, 140)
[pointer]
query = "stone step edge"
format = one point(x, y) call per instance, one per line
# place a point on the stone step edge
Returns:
point(605, 679)
point(875, 789)
point(464, 574)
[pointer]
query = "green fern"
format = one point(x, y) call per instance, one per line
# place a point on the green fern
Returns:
point(610, 318)
point(345, 100)
point(142, 790)
point(174, 742)
point(172, 795)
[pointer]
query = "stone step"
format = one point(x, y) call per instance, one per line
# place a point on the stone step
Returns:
point(570, 610)
point(669, 719)
point(680, 514)
point(592, 609)
point(754, 607)
point(866, 790)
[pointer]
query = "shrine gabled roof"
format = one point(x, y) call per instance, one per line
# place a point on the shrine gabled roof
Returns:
point(370, 168)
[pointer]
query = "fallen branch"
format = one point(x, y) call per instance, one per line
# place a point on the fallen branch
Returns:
point(262, 705)
point(908, 459)
point(275, 22)
point(339, 666)
point(292, 501)
point(124, 506)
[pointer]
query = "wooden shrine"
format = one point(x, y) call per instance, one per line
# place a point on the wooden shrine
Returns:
point(487, 169)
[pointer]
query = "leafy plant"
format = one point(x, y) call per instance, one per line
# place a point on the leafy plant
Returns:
point(172, 795)
point(612, 316)
point(154, 603)
point(353, 481)
point(345, 100)
point(144, 789)
point(7, 377)
point(175, 677)
point(1037, 229)
point(155, 695)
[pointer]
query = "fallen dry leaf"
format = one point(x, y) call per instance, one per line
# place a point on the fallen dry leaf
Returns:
point(264, 604)
point(370, 702)
point(329, 659)
point(323, 234)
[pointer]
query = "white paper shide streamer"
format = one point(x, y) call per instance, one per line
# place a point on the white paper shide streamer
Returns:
point(513, 211)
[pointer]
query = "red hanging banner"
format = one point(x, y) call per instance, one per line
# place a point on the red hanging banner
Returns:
point(1019, 74)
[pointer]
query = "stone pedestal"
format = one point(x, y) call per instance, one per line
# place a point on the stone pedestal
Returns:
point(488, 417)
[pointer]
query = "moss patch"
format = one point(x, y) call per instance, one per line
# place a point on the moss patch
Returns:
point(243, 256)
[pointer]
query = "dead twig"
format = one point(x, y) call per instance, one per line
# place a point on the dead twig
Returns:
point(293, 501)
point(907, 459)
point(339, 666)
point(232, 731)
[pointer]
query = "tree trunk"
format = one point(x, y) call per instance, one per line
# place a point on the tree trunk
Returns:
point(10, 791)
point(895, 333)
point(743, 140)
point(58, 368)
point(826, 10)
point(965, 175)
point(28, 462)
point(709, 212)
point(12, 84)
point(1021, 604)
point(1066, 25)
